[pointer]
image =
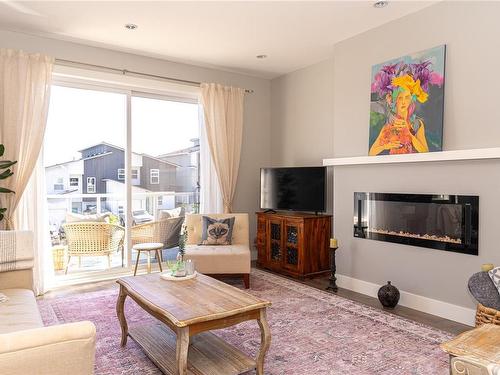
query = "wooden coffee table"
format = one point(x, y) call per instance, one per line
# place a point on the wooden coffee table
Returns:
point(188, 310)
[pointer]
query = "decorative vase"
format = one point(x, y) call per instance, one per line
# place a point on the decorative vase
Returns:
point(388, 295)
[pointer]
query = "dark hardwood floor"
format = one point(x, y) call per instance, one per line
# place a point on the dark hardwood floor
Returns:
point(319, 283)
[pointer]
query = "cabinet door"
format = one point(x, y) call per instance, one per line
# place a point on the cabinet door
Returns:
point(292, 244)
point(275, 243)
point(261, 239)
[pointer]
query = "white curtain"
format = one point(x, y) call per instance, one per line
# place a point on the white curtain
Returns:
point(25, 81)
point(32, 214)
point(223, 110)
point(210, 194)
point(24, 100)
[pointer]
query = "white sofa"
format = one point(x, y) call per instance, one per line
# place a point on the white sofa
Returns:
point(220, 261)
point(26, 346)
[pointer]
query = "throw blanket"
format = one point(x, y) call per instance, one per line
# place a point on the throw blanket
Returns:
point(16, 250)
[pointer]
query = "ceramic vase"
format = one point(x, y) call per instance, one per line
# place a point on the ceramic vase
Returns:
point(388, 295)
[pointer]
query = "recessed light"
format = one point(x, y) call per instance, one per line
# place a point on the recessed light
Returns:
point(131, 26)
point(261, 56)
point(380, 4)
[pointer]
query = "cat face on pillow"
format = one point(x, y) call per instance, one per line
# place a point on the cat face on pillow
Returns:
point(217, 234)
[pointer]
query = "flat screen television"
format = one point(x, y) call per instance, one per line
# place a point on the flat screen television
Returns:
point(294, 189)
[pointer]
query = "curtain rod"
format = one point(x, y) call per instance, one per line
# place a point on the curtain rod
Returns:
point(131, 72)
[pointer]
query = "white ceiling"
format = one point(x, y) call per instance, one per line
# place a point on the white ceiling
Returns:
point(226, 35)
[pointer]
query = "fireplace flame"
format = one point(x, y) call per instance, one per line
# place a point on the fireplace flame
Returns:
point(432, 237)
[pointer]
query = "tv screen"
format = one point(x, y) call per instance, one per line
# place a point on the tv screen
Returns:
point(297, 189)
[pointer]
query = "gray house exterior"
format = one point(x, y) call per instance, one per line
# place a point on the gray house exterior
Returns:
point(104, 162)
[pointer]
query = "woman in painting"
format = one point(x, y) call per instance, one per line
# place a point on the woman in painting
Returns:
point(403, 132)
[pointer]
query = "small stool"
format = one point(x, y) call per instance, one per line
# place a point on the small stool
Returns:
point(149, 246)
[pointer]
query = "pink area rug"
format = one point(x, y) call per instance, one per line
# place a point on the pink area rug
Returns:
point(313, 332)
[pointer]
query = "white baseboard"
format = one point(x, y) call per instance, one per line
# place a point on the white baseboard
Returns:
point(428, 305)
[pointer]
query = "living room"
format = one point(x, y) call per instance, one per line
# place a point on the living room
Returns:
point(140, 137)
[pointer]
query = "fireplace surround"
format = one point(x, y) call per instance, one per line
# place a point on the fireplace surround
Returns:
point(436, 221)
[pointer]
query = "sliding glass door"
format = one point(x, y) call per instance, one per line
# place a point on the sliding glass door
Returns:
point(119, 157)
point(165, 165)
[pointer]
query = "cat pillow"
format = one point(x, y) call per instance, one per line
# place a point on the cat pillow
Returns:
point(217, 232)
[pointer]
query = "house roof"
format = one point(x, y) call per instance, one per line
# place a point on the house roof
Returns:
point(122, 149)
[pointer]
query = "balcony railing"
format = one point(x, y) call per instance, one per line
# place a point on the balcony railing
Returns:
point(151, 202)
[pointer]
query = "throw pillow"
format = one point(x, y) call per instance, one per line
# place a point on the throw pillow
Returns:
point(78, 218)
point(484, 291)
point(175, 212)
point(217, 232)
point(495, 277)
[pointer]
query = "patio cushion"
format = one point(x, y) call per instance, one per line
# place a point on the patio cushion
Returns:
point(77, 218)
point(174, 212)
point(19, 312)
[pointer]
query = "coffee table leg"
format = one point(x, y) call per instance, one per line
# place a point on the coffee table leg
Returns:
point(181, 353)
point(120, 304)
point(265, 341)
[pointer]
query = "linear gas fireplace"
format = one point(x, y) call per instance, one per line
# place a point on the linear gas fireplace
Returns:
point(443, 222)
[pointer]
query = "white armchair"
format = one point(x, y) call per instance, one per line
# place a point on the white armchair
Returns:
point(220, 260)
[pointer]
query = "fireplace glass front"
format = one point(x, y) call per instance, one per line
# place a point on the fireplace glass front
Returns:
point(443, 222)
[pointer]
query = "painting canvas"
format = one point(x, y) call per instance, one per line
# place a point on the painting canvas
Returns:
point(407, 98)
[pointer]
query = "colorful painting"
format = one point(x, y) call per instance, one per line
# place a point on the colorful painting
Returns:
point(407, 98)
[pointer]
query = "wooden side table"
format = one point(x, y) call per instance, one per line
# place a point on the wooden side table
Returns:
point(482, 343)
point(157, 247)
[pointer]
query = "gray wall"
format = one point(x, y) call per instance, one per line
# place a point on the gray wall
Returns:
point(256, 134)
point(470, 31)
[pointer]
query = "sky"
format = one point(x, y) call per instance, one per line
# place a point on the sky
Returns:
point(81, 118)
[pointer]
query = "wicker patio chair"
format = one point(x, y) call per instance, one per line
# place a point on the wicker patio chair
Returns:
point(165, 231)
point(93, 239)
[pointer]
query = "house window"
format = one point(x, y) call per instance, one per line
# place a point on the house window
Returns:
point(90, 184)
point(160, 201)
point(121, 174)
point(135, 174)
point(154, 176)
point(59, 185)
point(73, 181)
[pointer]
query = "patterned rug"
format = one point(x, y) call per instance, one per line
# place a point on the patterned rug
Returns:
point(313, 332)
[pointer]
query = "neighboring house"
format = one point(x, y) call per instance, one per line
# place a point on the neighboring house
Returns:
point(107, 162)
point(188, 171)
point(65, 180)
point(101, 170)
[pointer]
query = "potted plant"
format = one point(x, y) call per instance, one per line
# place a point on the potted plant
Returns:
point(179, 269)
point(5, 172)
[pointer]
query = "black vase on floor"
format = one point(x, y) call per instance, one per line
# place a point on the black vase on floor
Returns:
point(388, 295)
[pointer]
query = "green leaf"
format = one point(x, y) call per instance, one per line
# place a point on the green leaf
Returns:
point(4, 190)
point(2, 210)
point(1, 217)
point(6, 164)
point(5, 174)
point(2, 149)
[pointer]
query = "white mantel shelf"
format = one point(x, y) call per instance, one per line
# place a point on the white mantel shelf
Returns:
point(456, 155)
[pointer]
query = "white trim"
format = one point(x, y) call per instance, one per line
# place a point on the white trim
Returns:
point(154, 173)
point(473, 154)
point(445, 310)
point(106, 80)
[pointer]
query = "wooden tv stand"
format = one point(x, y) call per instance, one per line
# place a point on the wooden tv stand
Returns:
point(294, 244)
